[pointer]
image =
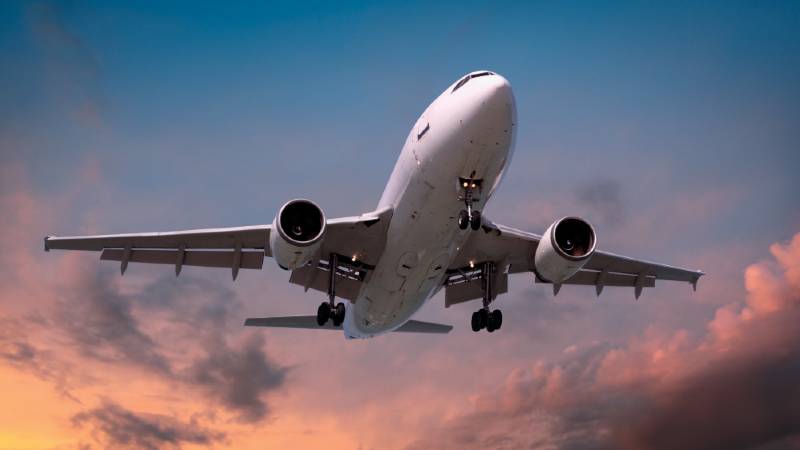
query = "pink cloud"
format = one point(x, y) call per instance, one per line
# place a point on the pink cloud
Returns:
point(734, 387)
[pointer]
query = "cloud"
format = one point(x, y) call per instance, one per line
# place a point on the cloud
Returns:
point(604, 199)
point(114, 426)
point(100, 323)
point(734, 387)
point(238, 378)
point(76, 329)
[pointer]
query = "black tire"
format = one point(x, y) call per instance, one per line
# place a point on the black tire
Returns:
point(463, 219)
point(484, 318)
point(338, 314)
point(323, 313)
point(497, 319)
point(476, 321)
point(475, 220)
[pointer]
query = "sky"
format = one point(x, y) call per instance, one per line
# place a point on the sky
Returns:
point(674, 128)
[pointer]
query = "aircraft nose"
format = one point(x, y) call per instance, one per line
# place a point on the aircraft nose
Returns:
point(493, 101)
point(497, 93)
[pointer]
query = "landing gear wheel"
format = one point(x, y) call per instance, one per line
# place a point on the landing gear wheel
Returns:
point(476, 321)
point(496, 318)
point(490, 325)
point(475, 220)
point(338, 314)
point(323, 313)
point(463, 219)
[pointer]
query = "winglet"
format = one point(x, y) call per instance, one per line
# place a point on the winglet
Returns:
point(638, 286)
point(46, 247)
point(695, 280)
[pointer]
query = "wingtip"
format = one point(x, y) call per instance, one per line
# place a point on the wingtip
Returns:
point(694, 281)
point(46, 247)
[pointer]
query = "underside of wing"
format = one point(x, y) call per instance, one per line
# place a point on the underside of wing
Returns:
point(514, 251)
point(357, 241)
point(234, 248)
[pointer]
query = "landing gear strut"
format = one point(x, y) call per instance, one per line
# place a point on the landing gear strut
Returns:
point(469, 217)
point(484, 317)
point(330, 310)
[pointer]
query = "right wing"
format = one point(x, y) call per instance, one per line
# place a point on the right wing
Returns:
point(514, 249)
point(234, 248)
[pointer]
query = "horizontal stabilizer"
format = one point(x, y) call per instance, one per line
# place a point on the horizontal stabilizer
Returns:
point(310, 322)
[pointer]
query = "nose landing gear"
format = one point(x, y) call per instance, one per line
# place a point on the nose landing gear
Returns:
point(484, 317)
point(469, 217)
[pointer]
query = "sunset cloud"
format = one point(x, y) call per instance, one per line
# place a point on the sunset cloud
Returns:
point(113, 426)
point(735, 387)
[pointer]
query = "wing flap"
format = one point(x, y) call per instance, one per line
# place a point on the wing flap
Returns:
point(623, 264)
point(202, 258)
point(593, 278)
point(471, 290)
point(311, 277)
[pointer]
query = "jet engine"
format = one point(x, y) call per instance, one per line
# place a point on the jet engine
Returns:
point(297, 233)
point(565, 247)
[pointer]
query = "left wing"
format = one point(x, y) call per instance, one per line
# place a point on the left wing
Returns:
point(234, 248)
point(514, 249)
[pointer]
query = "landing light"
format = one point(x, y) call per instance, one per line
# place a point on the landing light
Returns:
point(354, 258)
point(466, 184)
point(474, 185)
point(472, 264)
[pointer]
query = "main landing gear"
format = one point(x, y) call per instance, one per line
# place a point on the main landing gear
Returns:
point(469, 217)
point(331, 310)
point(485, 318)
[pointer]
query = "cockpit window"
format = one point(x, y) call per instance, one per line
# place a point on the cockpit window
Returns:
point(425, 130)
point(469, 77)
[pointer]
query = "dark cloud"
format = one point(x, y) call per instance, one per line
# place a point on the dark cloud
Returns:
point(104, 324)
point(116, 427)
point(740, 404)
point(16, 350)
point(238, 378)
point(604, 199)
point(734, 388)
point(100, 322)
point(206, 305)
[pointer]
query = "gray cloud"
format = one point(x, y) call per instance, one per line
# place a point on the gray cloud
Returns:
point(604, 199)
point(104, 324)
point(116, 427)
point(238, 378)
point(740, 404)
point(736, 388)
point(101, 324)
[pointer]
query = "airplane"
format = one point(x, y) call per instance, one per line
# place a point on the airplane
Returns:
point(426, 234)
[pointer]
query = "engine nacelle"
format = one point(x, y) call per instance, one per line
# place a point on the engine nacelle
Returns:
point(565, 247)
point(297, 233)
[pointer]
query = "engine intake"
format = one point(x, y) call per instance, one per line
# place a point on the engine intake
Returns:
point(297, 233)
point(564, 249)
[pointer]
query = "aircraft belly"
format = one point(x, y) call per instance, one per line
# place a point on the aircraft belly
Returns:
point(423, 236)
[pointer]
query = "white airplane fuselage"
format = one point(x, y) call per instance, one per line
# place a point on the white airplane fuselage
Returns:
point(467, 133)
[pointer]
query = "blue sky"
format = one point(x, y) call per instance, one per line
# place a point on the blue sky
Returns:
point(183, 93)
point(673, 127)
